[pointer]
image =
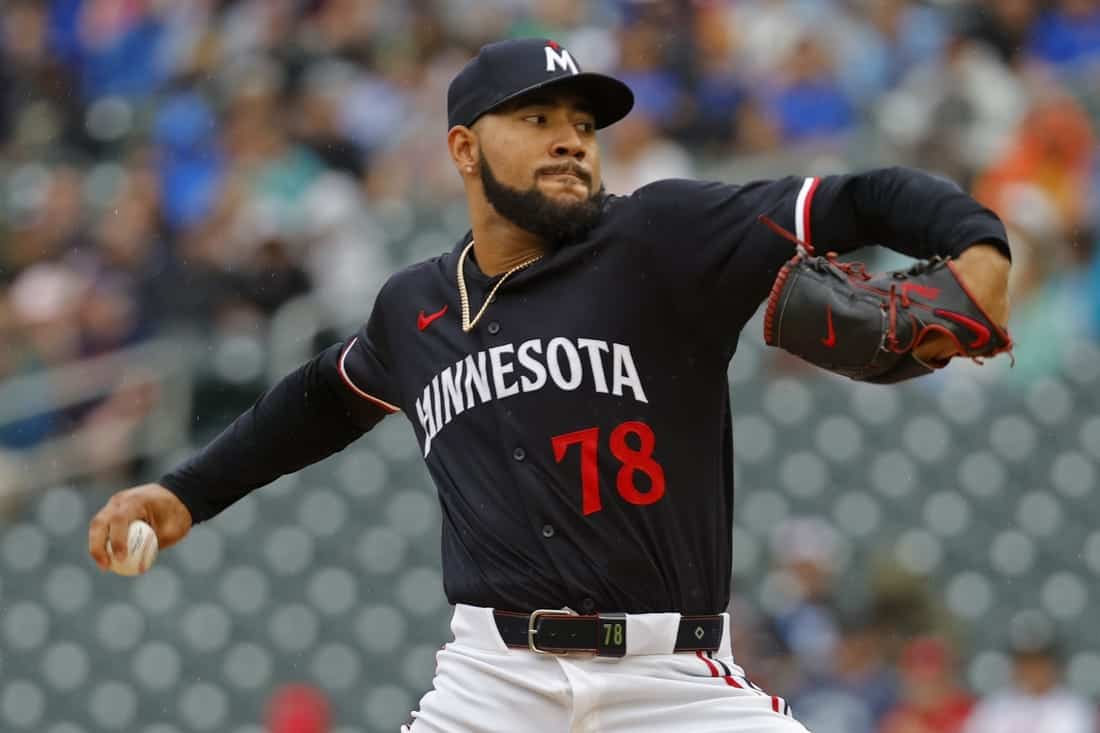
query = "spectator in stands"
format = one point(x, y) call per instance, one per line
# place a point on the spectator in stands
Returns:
point(1042, 187)
point(805, 100)
point(550, 18)
point(957, 114)
point(659, 91)
point(756, 646)
point(113, 46)
point(884, 42)
point(804, 552)
point(125, 266)
point(719, 86)
point(1036, 702)
point(47, 218)
point(858, 689)
point(35, 102)
point(1068, 36)
point(1053, 155)
point(319, 122)
point(189, 159)
point(641, 155)
point(1001, 25)
point(931, 699)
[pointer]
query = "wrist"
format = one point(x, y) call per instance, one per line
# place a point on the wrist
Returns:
point(984, 255)
point(983, 271)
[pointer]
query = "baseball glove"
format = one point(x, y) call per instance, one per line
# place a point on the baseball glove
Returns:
point(865, 326)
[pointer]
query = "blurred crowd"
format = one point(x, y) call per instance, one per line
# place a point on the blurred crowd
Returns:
point(201, 164)
point(891, 660)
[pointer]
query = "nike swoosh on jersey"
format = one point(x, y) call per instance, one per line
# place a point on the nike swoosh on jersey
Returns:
point(423, 321)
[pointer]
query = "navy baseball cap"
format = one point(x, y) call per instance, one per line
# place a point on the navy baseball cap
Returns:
point(505, 70)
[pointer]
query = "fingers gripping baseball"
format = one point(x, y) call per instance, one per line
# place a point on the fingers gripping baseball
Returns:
point(150, 503)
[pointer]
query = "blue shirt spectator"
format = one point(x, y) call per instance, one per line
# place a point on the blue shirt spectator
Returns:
point(807, 100)
point(113, 50)
point(191, 163)
point(1068, 36)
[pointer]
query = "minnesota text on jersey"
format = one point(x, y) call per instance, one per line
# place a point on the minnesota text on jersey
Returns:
point(491, 374)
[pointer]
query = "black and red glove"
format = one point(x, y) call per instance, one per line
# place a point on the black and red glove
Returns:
point(839, 317)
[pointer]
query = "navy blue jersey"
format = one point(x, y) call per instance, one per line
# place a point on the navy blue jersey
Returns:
point(580, 434)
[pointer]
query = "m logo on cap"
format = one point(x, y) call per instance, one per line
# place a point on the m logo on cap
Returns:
point(558, 57)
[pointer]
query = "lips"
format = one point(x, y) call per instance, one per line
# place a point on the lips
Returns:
point(568, 176)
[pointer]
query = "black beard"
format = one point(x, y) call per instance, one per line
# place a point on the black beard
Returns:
point(531, 210)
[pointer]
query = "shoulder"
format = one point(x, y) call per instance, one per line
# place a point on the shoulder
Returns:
point(418, 275)
point(689, 197)
point(674, 193)
point(666, 206)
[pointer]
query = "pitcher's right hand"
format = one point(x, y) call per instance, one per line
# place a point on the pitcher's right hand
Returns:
point(151, 503)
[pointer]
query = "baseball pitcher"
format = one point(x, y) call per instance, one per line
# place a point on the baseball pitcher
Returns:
point(564, 369)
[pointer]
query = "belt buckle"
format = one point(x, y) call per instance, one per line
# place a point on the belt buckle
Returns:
point(532, 631)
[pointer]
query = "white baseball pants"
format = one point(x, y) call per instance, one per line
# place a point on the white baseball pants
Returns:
point(483, 686)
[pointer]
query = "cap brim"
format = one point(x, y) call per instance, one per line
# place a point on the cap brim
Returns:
point(610, 99)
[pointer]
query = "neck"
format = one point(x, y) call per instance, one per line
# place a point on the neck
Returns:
point(499, 245)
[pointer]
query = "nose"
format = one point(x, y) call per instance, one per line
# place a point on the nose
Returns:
point(569, 145)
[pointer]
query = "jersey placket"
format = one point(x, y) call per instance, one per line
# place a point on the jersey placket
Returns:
point(494, 329)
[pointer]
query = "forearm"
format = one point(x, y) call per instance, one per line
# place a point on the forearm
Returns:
point(908, 211)
point(300, 421)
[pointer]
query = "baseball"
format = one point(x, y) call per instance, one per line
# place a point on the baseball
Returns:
point(141, 550)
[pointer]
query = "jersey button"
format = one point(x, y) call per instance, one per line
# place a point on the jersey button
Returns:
point(494, 328)
point(547, 531)
point(588, 605)
point(519, 454)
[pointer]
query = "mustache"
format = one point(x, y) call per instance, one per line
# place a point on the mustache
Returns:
point(571, 168)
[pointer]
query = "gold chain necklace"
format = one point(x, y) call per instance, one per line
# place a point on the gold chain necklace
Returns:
point(464, 299)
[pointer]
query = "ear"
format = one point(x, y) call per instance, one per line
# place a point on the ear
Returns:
point(465, 149)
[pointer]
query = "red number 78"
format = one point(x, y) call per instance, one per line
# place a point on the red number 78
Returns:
point(640, 459)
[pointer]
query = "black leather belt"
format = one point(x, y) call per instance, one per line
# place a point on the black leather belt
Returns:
point(559, 632)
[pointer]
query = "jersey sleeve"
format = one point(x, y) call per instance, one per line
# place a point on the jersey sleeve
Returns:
point(707, 243)
point(313, 412)
point(365, 369)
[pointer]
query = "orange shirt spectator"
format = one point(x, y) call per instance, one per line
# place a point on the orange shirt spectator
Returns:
point(1052, 154)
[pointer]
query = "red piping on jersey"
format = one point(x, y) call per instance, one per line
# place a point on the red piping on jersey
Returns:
point(710, 664)
point(351, 385)
point(730, 679)
point(714, 671)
